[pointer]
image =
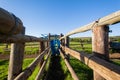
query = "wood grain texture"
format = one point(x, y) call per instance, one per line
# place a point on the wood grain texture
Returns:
point(106, 69)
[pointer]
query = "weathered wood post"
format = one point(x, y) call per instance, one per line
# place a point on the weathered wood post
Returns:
point(100, 45)
point(67, 41)
point(81, 43)
point(16, 58)
point(42, 48)
point(62, 40)
point(48, 42)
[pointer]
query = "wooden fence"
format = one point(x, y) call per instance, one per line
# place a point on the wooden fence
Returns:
point(15, 71)
point(99, 59)
point(12, 31)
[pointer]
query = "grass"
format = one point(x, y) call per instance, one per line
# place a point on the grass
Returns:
point(65, 69)
point(116, 62)
point(77, 46)
point(58, 69)
point(30, 48)
point(82, 70)
point(4, 68)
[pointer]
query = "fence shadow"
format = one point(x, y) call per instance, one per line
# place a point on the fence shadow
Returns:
point(55, 71)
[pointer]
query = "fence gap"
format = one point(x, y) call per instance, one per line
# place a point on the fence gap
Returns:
point(16, 58)
point(100, 46)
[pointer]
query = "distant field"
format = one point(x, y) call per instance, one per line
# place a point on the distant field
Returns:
point(87, 47)
point(30, 48)
point(83, 71)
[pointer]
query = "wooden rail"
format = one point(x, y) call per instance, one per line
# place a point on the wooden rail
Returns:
point(38, 77)
point(28, 71)
point(20, 38)
point(74, 76)
point(13, 31)
point(107, 20)
point(10, 25)
point(99, 60)
point(106, 69)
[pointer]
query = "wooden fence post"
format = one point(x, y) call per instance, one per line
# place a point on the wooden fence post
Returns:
point(82, 44)
point(42, 48)
point(16, 59)
point(67, 41)
point(62, 40)
point(100, 45)
point(67, 45)
point(48, 42)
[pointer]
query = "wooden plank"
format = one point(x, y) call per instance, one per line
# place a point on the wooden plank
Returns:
point(28, 71)
point(107, 20)
point(20, 38)
point(74, 76)
point(38, 77)
point(100, 45)
point(9, 23)
point(108, 70)
point(16, 59)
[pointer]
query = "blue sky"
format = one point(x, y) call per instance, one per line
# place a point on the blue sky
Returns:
point(60, 16)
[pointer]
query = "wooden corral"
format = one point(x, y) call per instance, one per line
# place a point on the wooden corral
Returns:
point(13, 31)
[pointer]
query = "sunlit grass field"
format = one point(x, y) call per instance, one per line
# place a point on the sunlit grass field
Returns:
point(30, 48)
point(4, 68)
point(82, 71)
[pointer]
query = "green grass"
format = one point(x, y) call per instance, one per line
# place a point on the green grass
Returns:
point(82, 70)
point(58, 69)
point(116, 62)
point(26, 62)
point(4, 69)
point(65, 69)
point(30, 48)
point(77, 46)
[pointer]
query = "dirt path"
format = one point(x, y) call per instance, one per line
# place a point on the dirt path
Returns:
point(55, 71)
